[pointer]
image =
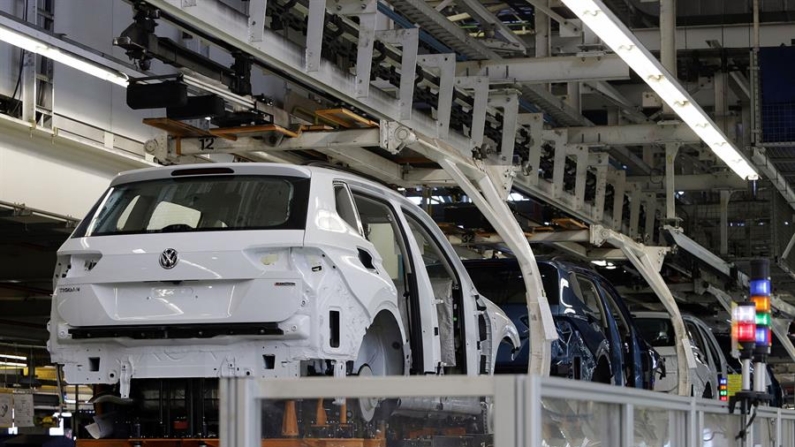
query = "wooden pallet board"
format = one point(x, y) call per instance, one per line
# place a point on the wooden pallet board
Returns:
point(315, 128)
point(569, 224)
point(345, 118)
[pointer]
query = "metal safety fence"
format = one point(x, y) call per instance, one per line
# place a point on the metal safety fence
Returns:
point(500, 411)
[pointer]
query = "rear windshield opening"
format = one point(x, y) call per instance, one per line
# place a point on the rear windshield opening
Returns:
point(187, 204)
point(658, 332)
point(503, 284)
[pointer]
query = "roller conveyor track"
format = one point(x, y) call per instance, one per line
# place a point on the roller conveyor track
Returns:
point(447, 32)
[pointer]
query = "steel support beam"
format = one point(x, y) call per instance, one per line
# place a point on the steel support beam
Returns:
point(575, 236)
point(725, 196)
point(30, 70)
point(568, 27)
point(668, 40)
point(547, 69)
point(691, 182)
point(671, 149)
point(488, 21)
point(633, 134)
point(729, 36)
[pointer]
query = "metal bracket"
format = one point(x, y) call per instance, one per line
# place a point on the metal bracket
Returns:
point(395, 136)
point(480, 85)
point(508, 101)
point(408, 40)
point(256, 19)
point(316, 17)
point(445, 64)
point(352, 7)
point(535, 121)
point(600, 162)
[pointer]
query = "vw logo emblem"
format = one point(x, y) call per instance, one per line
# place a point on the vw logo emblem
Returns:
point(169, 258)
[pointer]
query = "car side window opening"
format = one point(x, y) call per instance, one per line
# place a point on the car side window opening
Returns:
point(446, 290)
point(695, 337)
point(713, 351)
point(504, 284)
point(587, 291)
point(626, 333)
point(346, 208)
point(623, 325)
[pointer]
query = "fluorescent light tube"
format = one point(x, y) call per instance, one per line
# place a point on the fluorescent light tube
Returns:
point(15, 357)
point(15, 364)
point(38, 47)
point(595, 15)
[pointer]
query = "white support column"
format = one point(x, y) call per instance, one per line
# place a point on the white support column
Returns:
point(619, 192)
point(581, 175)
point(408, 40)
point(725, 196)
point(559, 169)
point(568, 28)
point(650, 202)
point(671, 149)
point(668, 39)
point(635, 196)
point(721, 85)
point(600, 161)
point(573, 96)
point(542, 27)
point(314, 34)
point(29, 70)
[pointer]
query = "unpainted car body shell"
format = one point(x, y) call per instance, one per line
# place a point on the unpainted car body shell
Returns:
point(585, 349)
point(705, 376)
point(289, 279)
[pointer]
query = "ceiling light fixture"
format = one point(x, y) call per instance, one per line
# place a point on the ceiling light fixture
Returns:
point(617, 36)
point(35, 46)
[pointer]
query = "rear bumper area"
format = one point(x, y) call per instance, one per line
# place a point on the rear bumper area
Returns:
point(161, 332)
point(111, 363)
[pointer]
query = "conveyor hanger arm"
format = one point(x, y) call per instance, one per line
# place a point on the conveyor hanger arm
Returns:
point(648, 261)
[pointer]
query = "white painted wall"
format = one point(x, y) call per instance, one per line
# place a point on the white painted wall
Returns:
point(90, 100)
point(51, 174)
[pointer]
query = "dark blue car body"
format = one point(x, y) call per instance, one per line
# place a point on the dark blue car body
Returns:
point(597, 339)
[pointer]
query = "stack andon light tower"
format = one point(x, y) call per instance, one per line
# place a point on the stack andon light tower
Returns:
point(751, 330)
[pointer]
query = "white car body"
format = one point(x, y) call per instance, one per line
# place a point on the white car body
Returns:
point(259, 302)
point(702, 335)
point(705, 376)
